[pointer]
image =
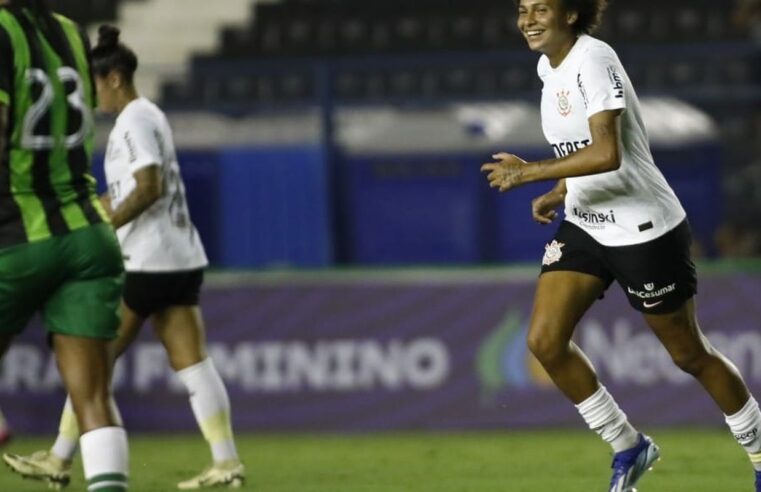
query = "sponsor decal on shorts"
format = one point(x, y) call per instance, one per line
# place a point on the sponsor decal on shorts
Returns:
point(552, 252)
point(651, 293)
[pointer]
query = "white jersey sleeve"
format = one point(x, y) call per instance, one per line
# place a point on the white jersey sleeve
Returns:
point(600, 83)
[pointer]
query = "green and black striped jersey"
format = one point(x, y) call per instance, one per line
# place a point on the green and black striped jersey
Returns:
point(46, 84)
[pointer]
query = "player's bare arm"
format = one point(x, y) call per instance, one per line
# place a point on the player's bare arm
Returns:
point(603, 155)
point(148, 189)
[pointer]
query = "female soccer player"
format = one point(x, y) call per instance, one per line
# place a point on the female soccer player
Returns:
point(58, 255)
point(164, 259)
point(622, 222)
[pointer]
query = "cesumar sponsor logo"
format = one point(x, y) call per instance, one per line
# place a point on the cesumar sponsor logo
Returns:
point(592, 217)
point(650, 291)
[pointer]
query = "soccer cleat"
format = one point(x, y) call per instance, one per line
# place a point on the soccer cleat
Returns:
point(629, 465)
point(229, 474)
point(41, 465)
point(758, 481)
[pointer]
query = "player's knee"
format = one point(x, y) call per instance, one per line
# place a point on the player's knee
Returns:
point(545, 349)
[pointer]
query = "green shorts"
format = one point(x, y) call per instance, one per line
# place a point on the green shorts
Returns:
point(74, 279)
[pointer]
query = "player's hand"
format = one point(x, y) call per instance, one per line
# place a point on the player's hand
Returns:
point(505, 174)
point(543, 207)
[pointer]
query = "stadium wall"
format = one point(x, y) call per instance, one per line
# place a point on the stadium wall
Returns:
point(388, 350)
point(399, 185)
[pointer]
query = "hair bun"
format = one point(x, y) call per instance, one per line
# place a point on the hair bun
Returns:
point(108, 36)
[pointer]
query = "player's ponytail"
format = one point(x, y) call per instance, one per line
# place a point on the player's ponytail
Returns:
point(110, 54)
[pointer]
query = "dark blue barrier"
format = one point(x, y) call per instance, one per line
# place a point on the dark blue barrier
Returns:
point(274, 207)
point(515, 234)
point(430, 208)
point(402, 209)
point(694, 173)
point(200, 171)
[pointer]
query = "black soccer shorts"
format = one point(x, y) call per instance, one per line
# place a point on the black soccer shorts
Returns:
point(147, 293)
point(657, 276)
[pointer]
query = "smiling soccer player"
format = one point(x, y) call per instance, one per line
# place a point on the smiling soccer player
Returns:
point(622, 222)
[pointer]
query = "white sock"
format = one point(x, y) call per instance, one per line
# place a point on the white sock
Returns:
point(602, 414)
point(65, 445)
point(211, 407)
point(105, 459)
point(746, 427)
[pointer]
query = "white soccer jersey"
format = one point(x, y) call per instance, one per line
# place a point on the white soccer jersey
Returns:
point(162, 238)
point(632, 204)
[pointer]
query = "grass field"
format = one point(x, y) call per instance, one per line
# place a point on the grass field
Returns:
point(557, 461)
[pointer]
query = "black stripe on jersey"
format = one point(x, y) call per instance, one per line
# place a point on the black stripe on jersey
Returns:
point(79, 163)
point(41, 184)
point(11, 225)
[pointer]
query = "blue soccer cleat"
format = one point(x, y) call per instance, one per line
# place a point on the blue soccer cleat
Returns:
point(629, 465)
point(758, 481)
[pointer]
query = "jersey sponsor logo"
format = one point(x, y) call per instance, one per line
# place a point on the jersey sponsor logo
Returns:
point(652, 292)
point(582, 90)
point(615, 79)
point(590, 217)
point(130, 147)
point(552, 252)
point(563, 149)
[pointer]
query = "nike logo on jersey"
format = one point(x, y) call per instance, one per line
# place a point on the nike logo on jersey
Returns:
point(649, 305)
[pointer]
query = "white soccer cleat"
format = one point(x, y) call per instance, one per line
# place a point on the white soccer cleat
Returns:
point(225, 474)
point(43, 466)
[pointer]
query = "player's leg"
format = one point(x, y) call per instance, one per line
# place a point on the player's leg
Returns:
point(65, 446)
point(573, 276)
point(562, 298)
point(680, 334)
point(54, 465)
point(85, 368)
point(181, 330)
point(83, 315)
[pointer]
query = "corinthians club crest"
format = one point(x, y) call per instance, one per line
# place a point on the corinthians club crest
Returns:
point(552, 252)
point(564, 105)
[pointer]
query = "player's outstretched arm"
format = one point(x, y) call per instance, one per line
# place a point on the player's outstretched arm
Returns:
point(601, 156)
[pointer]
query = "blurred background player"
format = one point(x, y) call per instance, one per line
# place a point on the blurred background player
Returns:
point(58, 253)
point(623, 222)
point(164, 260)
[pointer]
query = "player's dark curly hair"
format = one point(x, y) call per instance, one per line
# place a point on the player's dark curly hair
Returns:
point(590, 14)
point(109, 54)
point(589, 11)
